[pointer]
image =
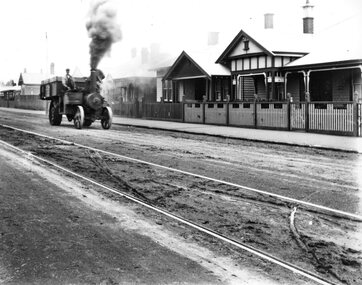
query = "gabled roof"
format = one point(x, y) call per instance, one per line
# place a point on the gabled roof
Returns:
point(32, 78)
point(271, 42)
point(203, 61)
point(206, 60)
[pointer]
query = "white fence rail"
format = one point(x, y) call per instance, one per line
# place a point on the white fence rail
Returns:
point(335, 117)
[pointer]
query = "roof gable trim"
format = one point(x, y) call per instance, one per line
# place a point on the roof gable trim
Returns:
point(178, 60)
point(236, 41)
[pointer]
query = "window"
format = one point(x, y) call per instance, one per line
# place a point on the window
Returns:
point(246, 44)
point(218, 90)
point(226, 86)
point(222, 89)
point(124, 94)
point(167, 91)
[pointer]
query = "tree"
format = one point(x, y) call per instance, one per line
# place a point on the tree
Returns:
point(10, 83)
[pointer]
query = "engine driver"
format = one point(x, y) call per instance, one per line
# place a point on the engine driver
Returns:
point(68, 81)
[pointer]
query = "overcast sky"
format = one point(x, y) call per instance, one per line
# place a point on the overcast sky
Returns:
point(176, 25)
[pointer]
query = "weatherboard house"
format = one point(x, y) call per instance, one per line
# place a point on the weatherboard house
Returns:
point(30, 82)
point(275, 67)
point(272, 66)
point(271, 79)
point(193, 76)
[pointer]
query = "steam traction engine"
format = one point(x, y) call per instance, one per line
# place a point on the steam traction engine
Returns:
point(83, 105)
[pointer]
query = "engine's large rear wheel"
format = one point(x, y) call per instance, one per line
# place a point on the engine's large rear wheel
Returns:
point(107, 116)
point(54, 117)
point(79, 117)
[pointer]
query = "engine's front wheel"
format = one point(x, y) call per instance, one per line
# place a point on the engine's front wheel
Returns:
point(79, 117)
point(107, 116)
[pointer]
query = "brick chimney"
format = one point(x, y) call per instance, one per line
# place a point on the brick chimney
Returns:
point(268, 21)
point(52, 68)
point(308, 20)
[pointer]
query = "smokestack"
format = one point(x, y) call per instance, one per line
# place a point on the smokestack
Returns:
point(52, 68)
point(93, 81)
point(308, 20)
point(102, 29)
point(212, 38)
point(268, 21)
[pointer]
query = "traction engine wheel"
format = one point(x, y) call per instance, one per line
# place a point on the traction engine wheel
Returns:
point(54, 117)
point(79, 117)
point(107, 116)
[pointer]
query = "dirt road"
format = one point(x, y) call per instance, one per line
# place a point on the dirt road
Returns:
point(333, 245)
point(55, 230)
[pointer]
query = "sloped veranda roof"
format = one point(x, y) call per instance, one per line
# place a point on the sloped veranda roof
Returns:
point(335, 46)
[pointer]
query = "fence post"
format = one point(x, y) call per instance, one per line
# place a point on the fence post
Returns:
point(355, 119)
point(289, 115)
point(183, 112)
point(137, 106)
point(227, 113)
point(255, 116)
point(306, 116)
point(203, 112)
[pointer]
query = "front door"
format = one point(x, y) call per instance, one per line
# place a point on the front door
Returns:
point(321, 86)
point(200, 89)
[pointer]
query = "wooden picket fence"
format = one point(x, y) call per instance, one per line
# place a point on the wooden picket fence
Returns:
point(331, 117)
point(341, 118)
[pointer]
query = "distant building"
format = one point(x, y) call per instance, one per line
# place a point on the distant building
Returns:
point(9, 92)
point(30, 82)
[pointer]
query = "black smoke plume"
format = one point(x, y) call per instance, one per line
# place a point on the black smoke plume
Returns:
point(102, 29)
